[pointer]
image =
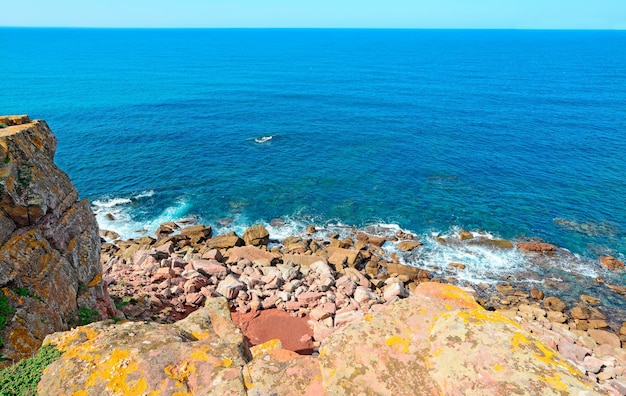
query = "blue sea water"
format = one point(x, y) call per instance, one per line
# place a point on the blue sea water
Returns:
point(518, 134)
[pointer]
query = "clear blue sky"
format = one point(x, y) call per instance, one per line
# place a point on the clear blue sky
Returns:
point(532, 14)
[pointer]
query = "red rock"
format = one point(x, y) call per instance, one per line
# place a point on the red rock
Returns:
point(262, 326)
point(209, 268)
point(536, 247)
point(395, 290)
point(611, 263)
point(212, 254)
point(194, 285)
point(250, 253)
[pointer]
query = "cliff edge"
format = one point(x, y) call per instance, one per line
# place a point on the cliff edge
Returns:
point(49, 244)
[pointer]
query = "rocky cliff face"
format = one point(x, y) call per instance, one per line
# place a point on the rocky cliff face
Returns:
point(49, 243)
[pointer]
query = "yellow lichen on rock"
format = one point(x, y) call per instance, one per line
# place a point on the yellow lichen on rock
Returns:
point(265, 347)
point(114, 372)
point(399, 343)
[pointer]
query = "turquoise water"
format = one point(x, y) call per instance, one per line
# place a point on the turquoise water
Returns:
point(515, 133)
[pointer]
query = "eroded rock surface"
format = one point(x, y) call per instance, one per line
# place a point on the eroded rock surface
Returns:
point(438, 341)
point(49, 243)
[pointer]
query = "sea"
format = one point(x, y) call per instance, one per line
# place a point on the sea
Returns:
point(514, 134)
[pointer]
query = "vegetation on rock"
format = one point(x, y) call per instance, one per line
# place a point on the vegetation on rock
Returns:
point(6, 311)
point(23, 377)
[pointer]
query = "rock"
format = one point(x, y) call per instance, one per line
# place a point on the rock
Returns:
point(611, 263)
point(574, 352)
point(251, 253)
point(579, 313)
point(491, 243)
point(224, 241)
point(256, 235)
point(302, 260)
point(353, 257)
point(230, 287)
point(505, 290)
point(554, 304)
point(395, 290)
point(109, 235)
point(593, 364)
point(537, 247)
point(459, 266)
point(49, 241)
point(283, 372)
point(202, 354)
point(407, 246)
point(411, 272)
point(590, 300)
point(605, 337)
point(428, 342)
point(209, 268)
point(536, 294)
point(363, 295)
point(465, 234)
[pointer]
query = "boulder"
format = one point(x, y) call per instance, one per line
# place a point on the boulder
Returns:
point(537, 247)
point(554, 304)
point(256, 235)
point(407, 246)
point(49, 242)
point(224, 241)
point(611, 263)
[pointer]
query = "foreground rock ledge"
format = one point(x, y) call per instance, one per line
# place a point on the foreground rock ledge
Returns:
point(438, 341)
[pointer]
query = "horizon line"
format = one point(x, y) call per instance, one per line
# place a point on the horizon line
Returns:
point(306, 28)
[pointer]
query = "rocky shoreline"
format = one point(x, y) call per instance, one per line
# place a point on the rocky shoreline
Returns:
point(328, 282)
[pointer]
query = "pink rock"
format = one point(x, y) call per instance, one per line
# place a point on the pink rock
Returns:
point(191, 274)
point(310, 297)
point(346, 286)
point(605, 337)
point(358, 277)
point(230, 287)
point(209, 292)
point(162, 274)
point(362, 295)
point(346, 317)
point(321, 268)
point(194, 285)
point(154, 300)
point(195, 299)
point(319, 313)
point(250, 253)
point(293, 305)
point(165, 284)
point(209, 268)
point(395, 290)
point(574, 352)
point(213, 254)
point(270, 301)
point(592, 364)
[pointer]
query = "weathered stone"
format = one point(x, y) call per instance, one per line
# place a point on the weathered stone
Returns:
point(536, 294)
point(224, 241)
point(209, 268)
point(505, 290)
point(579, 313)
point(611, 263)
point(202, 354)
point(353, 257)
point(49, 241)
point(256, 235)
point(590, 300)
point(302, 259)
point(554, 304)
point(537, 247)
point(428, 342)
point(605, 337)
point(459, 266)
point(491, 243)
point(395, 290)
point(407, 246)
point(230, 287)
point(251, 253)
point(574, 352)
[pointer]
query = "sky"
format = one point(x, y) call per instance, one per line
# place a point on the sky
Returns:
point(484, 14)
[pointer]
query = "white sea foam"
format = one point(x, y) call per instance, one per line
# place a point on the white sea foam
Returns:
point(111, 202)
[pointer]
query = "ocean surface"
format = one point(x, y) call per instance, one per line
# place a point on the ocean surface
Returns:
point(512, 134)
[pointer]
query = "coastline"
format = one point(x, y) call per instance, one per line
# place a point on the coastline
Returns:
point(332, 280)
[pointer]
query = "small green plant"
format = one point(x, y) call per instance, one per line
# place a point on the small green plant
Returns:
point(3, 125)
point(22, 378)
point(86, 316)
point(6, 311)
point(7, 159)
point(24, 292)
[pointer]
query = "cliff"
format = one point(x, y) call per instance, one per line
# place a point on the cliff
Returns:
point(49, 243)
